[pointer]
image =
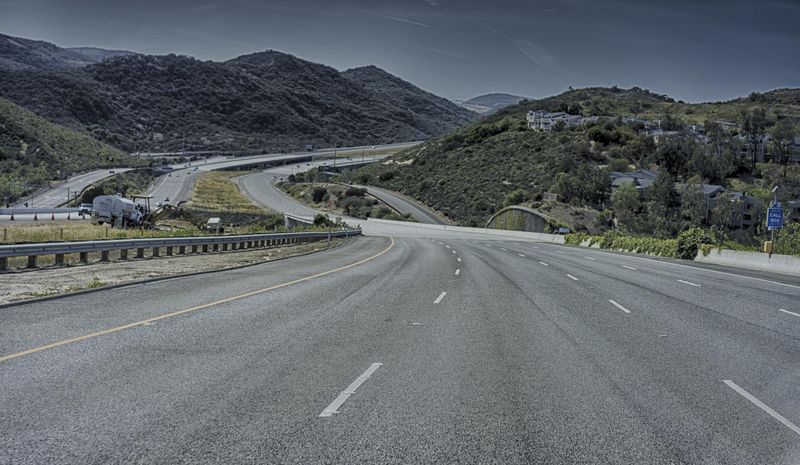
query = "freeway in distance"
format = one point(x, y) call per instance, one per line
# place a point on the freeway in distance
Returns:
point(178, 187)
point(57, 196)
point(261, 188)
point(411, 350)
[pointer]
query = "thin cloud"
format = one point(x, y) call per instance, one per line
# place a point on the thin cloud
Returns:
point(532, 51)
point(440, 52)
point(407, 21)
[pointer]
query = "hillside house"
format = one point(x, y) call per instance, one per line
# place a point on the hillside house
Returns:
point(541, 120)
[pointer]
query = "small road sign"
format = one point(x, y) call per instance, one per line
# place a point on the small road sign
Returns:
point(775, 217)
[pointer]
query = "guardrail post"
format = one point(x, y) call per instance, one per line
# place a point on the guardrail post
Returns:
point(205, 248)
point(263, 243)
point(182, 250)
point(32, 261)
point(224, 247)
point(194, 248)
point(242, 245)
point(169, 250)
point(140, 252)
point(83, 257)
point(104, 255)
point(4, 264)
point(59, 259)
point(156, 251)
point(215, 247)
point(123, 254)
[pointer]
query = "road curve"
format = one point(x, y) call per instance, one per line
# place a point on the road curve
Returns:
point(411, 351)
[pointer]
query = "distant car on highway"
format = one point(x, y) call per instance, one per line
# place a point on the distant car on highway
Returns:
point(84, 208)
point(111, 171)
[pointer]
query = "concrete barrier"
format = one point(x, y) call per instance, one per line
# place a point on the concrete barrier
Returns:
point(31, 211)
point(752, 260)
point(500, 233)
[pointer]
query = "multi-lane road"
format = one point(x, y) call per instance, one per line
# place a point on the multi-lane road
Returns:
point(261, 187)
point(418, 343)
point(178, 185)
point(62, 193)
point(411, 350)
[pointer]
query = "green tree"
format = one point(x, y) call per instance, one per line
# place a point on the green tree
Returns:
point(514, 197)
point(754, 123)
point(782, 141)
point(660, 197)
point(626, 206)
point(693, 201)
point(726, 214)
point(674, 153)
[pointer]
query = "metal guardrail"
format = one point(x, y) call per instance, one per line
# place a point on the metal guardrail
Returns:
point(196, 243)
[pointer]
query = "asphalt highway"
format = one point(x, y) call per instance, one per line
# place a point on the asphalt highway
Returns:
point(58, 195)
point(411, 350)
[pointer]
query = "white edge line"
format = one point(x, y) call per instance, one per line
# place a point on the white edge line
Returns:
point(333, 407)
point(614, 303)
point(763, 406)
point(787, 311)
point(439, 299)
point(630, 267)
point(688, 282)
point(590, 258)
point(702, 269)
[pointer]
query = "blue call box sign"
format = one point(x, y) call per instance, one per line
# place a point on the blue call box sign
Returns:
point(775, 218)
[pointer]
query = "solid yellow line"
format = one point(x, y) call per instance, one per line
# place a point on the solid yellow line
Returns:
point(53, 345)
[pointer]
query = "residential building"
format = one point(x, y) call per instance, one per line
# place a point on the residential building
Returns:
point(641, 180)
point(793, 215)
point(541, 120)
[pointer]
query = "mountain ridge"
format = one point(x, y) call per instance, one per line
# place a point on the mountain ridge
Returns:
point(20, 54)
point(260, 101)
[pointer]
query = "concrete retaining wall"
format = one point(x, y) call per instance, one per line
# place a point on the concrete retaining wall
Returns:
point(752, 260)
point(523, 235)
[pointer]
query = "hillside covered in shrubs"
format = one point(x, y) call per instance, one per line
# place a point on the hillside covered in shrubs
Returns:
point(263, 101)
point(743, 145)
point(34, 151)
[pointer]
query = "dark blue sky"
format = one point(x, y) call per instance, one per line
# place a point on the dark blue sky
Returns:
point(691, 50)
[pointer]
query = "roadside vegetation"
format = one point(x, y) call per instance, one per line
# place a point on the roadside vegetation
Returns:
point(217, 195)
point(336, 198)
point(35, 152)
point(128, 183)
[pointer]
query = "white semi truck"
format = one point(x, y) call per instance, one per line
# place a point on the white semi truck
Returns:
point(116, 211)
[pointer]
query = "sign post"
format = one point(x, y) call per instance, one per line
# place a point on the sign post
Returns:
point(774, 221)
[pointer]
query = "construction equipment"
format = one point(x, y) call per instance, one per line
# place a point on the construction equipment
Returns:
point(117, 211)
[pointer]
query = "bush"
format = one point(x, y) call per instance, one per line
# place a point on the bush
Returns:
point(322, 220)
point(386, 175)
point(575, 238)
point(355, 192)
point(318, 194)
point(690, 240)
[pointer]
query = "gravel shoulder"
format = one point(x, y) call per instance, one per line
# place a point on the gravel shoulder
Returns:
point(23, 285)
